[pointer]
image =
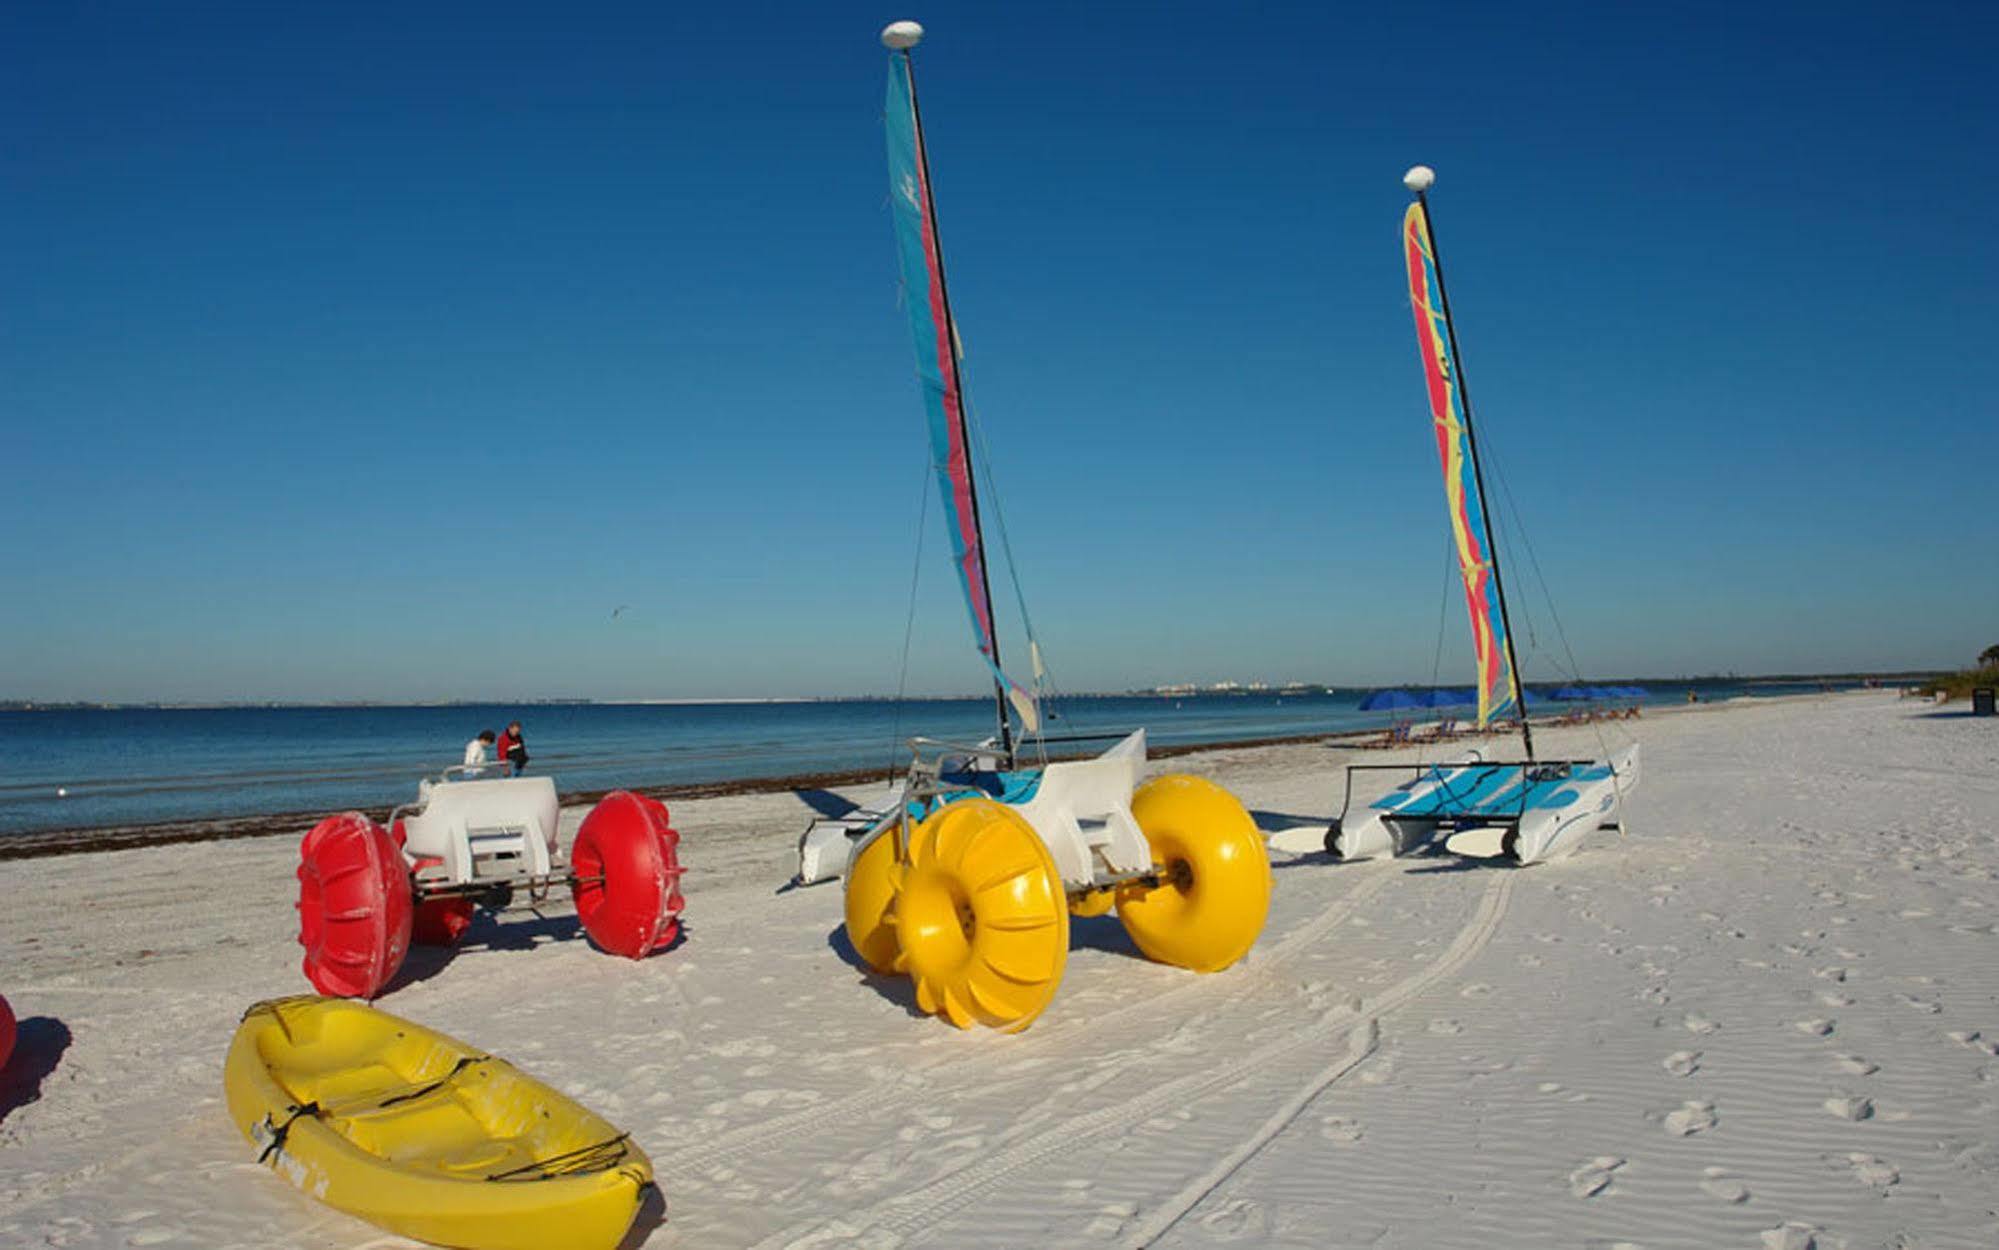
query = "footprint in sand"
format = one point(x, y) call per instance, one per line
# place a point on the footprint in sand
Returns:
point(1817, 1028)
point(1111, 1219)
point(1791, 1235)
point(1869, 1170)
point(1445, 1028)
point(1236, 1219)
point(1698, 1024)
point(1692, 1117)
point(1834, 973)
point(1830, 999)
point(1854, 1065)
point(1336, 1128)
point(1854, 1109)
point(1682, 1062)
point(1593, 1178)
point(1923, 1005)
point(1717, 1184)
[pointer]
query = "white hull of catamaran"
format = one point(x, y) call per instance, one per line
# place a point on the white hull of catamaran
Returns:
point(1555, 831)
point(1550, 828)
point(1371, 837)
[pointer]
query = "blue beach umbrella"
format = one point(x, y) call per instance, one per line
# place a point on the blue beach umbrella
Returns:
point(1390, 700)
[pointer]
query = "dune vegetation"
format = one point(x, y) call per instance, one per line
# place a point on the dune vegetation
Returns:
point(1960, 685)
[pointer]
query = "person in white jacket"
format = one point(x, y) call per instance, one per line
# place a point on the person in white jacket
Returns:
point(477, 752)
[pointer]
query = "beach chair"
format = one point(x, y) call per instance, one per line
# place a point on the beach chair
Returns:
point(1395, 735)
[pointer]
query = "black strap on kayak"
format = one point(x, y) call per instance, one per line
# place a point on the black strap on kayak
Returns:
point(313, 1109)
point(591, 1158)
point(279, 1131)
point(435, 1085)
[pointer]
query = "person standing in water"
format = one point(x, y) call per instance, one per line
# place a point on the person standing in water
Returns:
point(475, 752)
point(514, 748)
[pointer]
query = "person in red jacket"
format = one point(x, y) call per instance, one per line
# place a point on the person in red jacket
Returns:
point(513, 748)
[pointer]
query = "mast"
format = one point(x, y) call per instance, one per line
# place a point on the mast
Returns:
point(899, 38)
point(1419, 180)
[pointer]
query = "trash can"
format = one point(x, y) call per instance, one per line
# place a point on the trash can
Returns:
point(1982, 701)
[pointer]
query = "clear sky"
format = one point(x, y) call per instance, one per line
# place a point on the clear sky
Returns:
point(382, 351)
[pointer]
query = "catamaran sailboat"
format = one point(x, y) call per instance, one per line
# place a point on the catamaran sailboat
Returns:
point(1544, 807)
point(965, 877)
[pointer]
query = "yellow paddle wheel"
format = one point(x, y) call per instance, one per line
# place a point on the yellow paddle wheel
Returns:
point(971, 902)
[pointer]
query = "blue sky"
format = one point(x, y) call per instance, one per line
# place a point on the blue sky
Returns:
point(382, 351)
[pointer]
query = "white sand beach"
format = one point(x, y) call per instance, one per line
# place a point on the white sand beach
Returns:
point(1766, 1016)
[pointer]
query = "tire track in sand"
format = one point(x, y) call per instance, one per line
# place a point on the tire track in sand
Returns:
point(702, 1155)
point(907, 1214)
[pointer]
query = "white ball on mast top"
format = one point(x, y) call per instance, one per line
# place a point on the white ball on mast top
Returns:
point(1420, 178)
point(901, 36)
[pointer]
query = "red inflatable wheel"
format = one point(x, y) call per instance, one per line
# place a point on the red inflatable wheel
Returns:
point(6, 1032)
point(441, 921)
point(627, 865)
point(354, 906)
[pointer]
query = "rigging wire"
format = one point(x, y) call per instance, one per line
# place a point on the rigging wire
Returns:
point(1036, 671)
point(1561, 634)
point(909, 625)
point(1443, 616)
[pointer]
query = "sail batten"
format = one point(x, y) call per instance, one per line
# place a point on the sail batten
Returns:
point(1498, 684)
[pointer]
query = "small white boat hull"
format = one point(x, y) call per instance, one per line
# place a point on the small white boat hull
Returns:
point(1555, 831)
point(1557, 814)
point(830, 842)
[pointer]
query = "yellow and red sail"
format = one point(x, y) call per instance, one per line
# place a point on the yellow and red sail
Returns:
point(1498, 687)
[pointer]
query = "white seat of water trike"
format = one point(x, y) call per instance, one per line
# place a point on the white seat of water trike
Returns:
point(1077, 806)
point(1084, 806)
point(484, 829)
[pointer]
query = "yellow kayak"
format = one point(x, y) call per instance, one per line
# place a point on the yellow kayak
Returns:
point(425, 1136)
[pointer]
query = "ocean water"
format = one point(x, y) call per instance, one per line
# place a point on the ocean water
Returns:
point(119, 766)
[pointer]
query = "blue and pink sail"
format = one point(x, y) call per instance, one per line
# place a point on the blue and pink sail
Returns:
point(1498, 685)
point(937, 366)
